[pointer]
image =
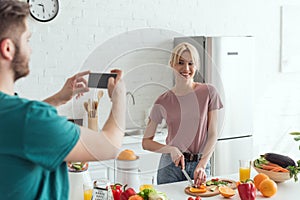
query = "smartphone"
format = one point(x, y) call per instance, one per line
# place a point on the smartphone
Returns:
point(99, 80)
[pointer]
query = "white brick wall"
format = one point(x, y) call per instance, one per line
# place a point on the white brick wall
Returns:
point(61, 47)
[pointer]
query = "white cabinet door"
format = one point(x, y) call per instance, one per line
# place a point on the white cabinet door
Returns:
point(103, 169)
point(228, 153)
point(149, 166)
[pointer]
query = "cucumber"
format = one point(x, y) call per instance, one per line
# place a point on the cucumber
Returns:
point(295, 133)
point(213, 188)
point(208, 183)
point(77, 167)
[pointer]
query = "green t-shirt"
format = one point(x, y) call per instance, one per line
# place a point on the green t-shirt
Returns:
point(34, 141)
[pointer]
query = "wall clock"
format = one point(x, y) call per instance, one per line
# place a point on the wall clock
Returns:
point(43, 10)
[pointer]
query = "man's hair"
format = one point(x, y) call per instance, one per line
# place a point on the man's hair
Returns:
point(12, 19)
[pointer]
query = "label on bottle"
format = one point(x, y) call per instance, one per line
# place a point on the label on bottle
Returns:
point(102, 190)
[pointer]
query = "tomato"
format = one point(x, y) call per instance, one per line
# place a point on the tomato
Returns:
point(190, 198)
point(198, 198)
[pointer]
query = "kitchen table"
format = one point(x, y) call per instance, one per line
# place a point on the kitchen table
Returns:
point(288, 190)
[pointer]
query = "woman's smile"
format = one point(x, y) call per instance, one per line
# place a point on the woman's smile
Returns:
point(185, 74)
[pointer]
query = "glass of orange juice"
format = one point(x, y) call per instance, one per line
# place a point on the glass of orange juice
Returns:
point(245, 166)
point(87, 191)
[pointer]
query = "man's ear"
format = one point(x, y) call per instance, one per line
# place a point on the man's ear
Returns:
point(7, 49)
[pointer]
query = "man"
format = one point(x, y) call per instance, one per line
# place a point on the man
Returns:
point(36, 143)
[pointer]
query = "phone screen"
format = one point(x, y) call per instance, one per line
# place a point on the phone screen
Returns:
point(99, 80)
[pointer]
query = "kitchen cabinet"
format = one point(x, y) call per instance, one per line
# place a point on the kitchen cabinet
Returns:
point(102, 169)
point(148, 160)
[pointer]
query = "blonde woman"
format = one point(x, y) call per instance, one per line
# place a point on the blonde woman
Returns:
point(190, 110)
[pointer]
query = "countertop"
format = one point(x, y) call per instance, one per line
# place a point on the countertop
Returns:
point(133, 139)
point(288, 190)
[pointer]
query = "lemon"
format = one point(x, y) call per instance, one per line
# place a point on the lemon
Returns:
point(146, 186)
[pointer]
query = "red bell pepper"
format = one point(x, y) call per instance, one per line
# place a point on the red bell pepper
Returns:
point(116, 190)
point(127, 193)
point(247, 191)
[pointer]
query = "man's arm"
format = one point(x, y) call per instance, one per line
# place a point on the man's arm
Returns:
point(75, 85)
point(105, 145)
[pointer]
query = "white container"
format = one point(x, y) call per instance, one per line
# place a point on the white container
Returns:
point(128, 173)
point(76, 180)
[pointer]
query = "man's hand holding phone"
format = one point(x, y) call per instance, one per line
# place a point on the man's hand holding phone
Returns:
point(117, 93)
point(114, 83)
point(105, 80)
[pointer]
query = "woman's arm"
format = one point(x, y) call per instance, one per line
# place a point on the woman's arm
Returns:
point(209, 147)
point(149, 144)
point(211, 140)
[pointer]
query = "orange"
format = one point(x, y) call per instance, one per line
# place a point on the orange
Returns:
point(226, 192)
point(268, 188)
point(259, 178)
point(127, 154)
point(201, 189)
point(135, 197)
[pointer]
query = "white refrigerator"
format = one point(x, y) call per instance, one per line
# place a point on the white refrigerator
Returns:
point(227, 63)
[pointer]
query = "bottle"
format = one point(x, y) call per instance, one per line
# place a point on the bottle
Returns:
point(102, 190)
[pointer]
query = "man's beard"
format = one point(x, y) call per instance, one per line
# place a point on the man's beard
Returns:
point(19, 64)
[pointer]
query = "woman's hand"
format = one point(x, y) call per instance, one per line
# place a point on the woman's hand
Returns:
point(199, 176)
point(177, 157)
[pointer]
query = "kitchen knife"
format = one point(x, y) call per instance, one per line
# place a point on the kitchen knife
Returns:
point(188, 177)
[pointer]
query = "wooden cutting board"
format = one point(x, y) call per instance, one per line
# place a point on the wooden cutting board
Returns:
point(208, 193)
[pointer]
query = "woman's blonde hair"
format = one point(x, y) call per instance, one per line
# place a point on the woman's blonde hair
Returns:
point(180, 49)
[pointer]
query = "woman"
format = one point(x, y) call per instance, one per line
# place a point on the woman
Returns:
point(190, 110)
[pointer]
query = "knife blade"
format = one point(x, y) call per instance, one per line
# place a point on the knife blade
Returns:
point(188, 177)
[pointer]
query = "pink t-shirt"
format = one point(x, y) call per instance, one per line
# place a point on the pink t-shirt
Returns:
point(186, 116)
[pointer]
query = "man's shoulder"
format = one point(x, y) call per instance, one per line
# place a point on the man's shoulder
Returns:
point(27, 108)
point(16, 102)
point(28, 104)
